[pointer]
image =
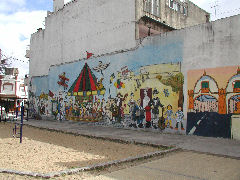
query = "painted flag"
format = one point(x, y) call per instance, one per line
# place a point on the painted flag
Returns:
point(50, 94)
point(112, 78)
point(118, 84)
point(89, 54)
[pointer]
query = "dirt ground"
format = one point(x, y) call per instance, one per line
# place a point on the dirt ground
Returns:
point(47, 151)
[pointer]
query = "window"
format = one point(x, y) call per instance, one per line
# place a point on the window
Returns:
point(147, 5)
point(178, 7)
point(185, 11)
point(171, 4)
point(236, 84)
point(151, 6)
point(175, 6)
point(155, 8)
point(205, 84)
point(205, 87)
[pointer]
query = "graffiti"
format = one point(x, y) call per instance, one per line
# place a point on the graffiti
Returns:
point(213, 98)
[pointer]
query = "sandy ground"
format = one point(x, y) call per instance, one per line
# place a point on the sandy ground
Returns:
point(46, 151)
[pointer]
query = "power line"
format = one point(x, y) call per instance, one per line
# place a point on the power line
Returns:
point(229, 11)
point(11, 58)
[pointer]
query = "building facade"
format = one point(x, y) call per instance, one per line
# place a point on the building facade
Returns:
point(166, 15)
point(103, 27)
point(12, 89)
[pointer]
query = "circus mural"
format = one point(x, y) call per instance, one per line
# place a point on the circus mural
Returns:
point(214, 102)
point(136, 89)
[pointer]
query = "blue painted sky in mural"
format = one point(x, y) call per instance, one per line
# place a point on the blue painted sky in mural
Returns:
point(156, 52)
point(40, 85)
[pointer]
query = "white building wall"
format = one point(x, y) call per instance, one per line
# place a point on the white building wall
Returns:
point(210, 45)
point(57, 4)
point(8, 85)
point(99, 27)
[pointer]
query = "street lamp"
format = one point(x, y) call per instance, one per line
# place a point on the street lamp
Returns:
point(149, 30)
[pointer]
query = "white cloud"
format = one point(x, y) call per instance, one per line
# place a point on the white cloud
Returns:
point(15, 33)
point(219, 8)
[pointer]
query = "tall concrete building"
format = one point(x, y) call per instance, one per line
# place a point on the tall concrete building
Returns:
point(104, 26)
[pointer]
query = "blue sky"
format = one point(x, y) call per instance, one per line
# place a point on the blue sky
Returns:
point(13, 6)
point(20, 18)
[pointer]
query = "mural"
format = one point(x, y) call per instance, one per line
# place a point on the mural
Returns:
point(214, 102)
point(136, 89)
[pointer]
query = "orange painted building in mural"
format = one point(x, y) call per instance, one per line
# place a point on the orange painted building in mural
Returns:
point(220, 85)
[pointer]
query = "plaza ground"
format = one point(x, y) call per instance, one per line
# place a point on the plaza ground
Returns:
point(211, 158)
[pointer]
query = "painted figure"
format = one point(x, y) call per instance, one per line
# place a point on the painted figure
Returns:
point(132, 111)
point(59, 113)
point(140, 114)
point(155, 103)
point(179, 118)
point(148, 115)
point(146, 98)
point(169, 114)
point(119, 102)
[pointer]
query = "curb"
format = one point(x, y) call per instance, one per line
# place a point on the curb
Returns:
point(88, 168)
point(102, 138)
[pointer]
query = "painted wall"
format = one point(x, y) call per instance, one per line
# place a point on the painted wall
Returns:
point(138, 89)
point(213, 97)
point(162, 67)
point(81, 27)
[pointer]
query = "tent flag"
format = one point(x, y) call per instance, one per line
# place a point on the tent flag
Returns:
point(89, 54)
point(85, 82)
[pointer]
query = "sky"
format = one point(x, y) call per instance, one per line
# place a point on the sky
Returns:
point(20, 18)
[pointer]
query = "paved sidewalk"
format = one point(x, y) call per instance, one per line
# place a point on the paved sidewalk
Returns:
point(180, 166)
point(219, 146)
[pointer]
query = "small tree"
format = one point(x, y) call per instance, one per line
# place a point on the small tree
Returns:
point(4, 62)
point(176, 82)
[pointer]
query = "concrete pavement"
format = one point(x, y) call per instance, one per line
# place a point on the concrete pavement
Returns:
point(181, 166)
point(217, 146)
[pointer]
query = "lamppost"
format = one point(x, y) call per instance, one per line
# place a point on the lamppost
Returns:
point(149, 30)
